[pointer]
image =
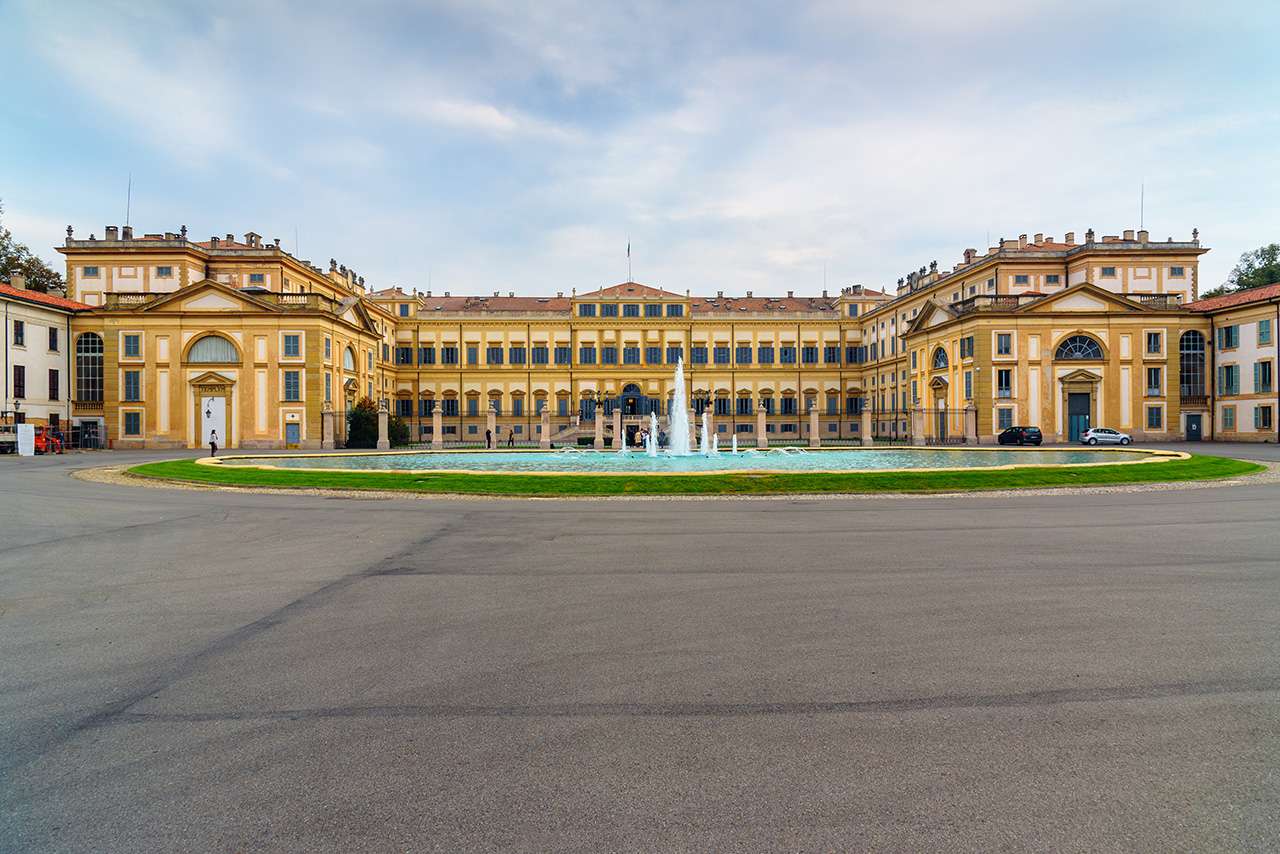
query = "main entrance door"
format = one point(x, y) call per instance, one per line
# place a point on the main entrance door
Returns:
point(213, 416)
point(1077, 415)
point(1193, 427)
point(292, 435)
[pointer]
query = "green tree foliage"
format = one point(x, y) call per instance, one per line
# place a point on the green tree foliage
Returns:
point(362, 424)
point(1257, 269)
point(397, 432)
point(15, 257)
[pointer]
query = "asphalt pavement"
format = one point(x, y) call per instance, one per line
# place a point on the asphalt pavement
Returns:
point(219, 671)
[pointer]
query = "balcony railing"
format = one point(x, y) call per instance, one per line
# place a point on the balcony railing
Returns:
point(1194, 400)
point(87, 405)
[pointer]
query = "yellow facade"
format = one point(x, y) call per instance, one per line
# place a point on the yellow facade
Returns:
point(1033, 332)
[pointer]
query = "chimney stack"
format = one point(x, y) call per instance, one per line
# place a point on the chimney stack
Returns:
point(791, 294)
point(1143, 237)
point(1070, 239)
point(1039, 239)
point(748, 294)
point(113, 233)
point(18, 282)
point(1128, 234)
point(1022, 241)
point(213, 243)
point(128, 233)
point(969, 255)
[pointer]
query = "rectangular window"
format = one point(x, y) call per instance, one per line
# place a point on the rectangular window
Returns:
point(257, 278)
point(292, 390)
point(1262, 417)
point(1155, 418)
point(787, 355)
point(853, 311)
point(1177, 272)
point(721, 355)
point(913, 360)
point(369, 359)
point(1021, 280)
point(538, 356)
point(404, 355)
point(1264, 333)
point(132, 386)
point(1052, 279)
point(698, 355)
point(53, 384)
point(1228, 337)
point(608, 309)
point(1262, 377)
point(966, 347)
point(562, 406)
point(788, 406)
point(164, 272)
point(328, 349)
point(448, 355)
point(1108, 272)
point(449, 408)
point(426, 355)
point(968, 385)
point(133, 423)
point(53, 339)
point(473, 407)
point(1228, 379)
point(766, 403)
point(586, 355)
point(291, 346)
point(496, 405)
point(473, 355)
point(1004, 418)
point(875, 350)
point(653, 309)
point(19, 381)
point(675, 355)
point(424, 407)
point(516, 355)
point(564, 355)
point(722, 406)
point(675, 310)
point(631, 355)
point(915, 391)
point(586, 310)
point(764, 355)
point(831, 355)
point(833, 405)
point(132, 346)
point(1004, 383)
point(386, 352)
point(89, 272)
point(630, 310)
point(404, 309)
point(1154, 343)
point(744, 406)
point(743, 355)
point(653, 355)
point(608, 355)
point(1004, 344)
point(404, 408)
point(809, 355)
point(493, 355)
point(1153, 382)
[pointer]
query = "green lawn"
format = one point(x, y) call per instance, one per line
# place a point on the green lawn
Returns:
point(1195, 468)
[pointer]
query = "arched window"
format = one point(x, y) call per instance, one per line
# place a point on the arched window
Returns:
point(939, 358)
point(348, 360)
point(1191, 364)
point(213, 349)
point(1079, 347)
point(89, 367)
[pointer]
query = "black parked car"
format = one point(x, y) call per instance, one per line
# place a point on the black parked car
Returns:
point(1021, 436)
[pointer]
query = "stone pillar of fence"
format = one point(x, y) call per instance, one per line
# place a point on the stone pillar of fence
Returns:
point(598, 444)
point(384, 444)
point(917, 425)
point(693, 429)
point(815, 437)
point(492, 423)
point(326, 428)
point(619, 437)
point(544, 438)
point(867, 439)
point(762, 438)
point(437, 427)
point(971, 424)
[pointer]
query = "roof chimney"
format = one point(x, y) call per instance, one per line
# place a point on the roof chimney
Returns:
point(112, 232)
point(824, 293)
point(512, 294)
point(213, 243)
point(969, 255)
point(1070, 239)
point(791, 294)
point(559, 294)
point(719, 294)
point(128, 233)
point(1143, 237)
point(18, 282)
point(1022, 241)
point(231, 239)
point(1128, 234)
point(1039, 239)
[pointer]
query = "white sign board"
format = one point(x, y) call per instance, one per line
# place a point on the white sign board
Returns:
point(26, 440)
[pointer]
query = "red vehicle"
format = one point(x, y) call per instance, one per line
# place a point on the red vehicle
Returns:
point(47, 441)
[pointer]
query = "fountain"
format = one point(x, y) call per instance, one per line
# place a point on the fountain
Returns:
point(651, 441)
point(678, 418)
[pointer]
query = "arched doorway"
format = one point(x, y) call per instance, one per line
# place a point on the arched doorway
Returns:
point(633, 400)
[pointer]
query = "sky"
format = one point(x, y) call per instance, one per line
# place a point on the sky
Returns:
point(477, 146)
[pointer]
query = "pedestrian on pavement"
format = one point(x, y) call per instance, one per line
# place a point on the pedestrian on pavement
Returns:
point(488, 439)
point(511, 438)
point(213, 443)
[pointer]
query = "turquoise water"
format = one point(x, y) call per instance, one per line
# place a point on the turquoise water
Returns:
point(787, 459)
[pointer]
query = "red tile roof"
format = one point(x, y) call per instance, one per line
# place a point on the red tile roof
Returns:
point(1262, 294)
point(44, 299)
point(630, 290)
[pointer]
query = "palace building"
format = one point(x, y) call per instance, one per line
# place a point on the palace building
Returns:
point(185, 336)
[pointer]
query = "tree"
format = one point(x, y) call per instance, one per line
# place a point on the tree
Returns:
point(397, 432)
point(362, 424)
point(1257, 269)
point(17, 258)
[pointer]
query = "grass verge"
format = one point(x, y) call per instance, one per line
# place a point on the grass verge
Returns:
point(1195, 468)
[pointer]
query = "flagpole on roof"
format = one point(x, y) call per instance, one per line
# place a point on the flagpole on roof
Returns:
point(629, 279)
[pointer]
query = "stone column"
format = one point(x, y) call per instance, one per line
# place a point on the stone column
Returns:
point(762, 440)
point(326, 428)
point(917, 425)
point(544, 440)
point(971, 424)
point(709, 420)
point(384, 444)
point(437, 427)
point(618, 436)
point(867, 439)
point(599, 442)
point(491, 423)
point(815, 438)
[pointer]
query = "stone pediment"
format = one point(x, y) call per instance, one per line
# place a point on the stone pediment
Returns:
point(1081, 375)
point(208, 295)
point(939, 382)
point(1083, 297)
point(211, 378)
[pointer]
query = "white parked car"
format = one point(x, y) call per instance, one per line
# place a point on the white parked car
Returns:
point(1104, 436)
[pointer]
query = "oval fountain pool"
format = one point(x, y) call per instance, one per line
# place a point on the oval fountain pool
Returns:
point(575, 461)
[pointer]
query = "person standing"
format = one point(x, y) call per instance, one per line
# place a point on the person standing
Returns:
point(213, 443)
point(488, 439)
point(511, 438)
